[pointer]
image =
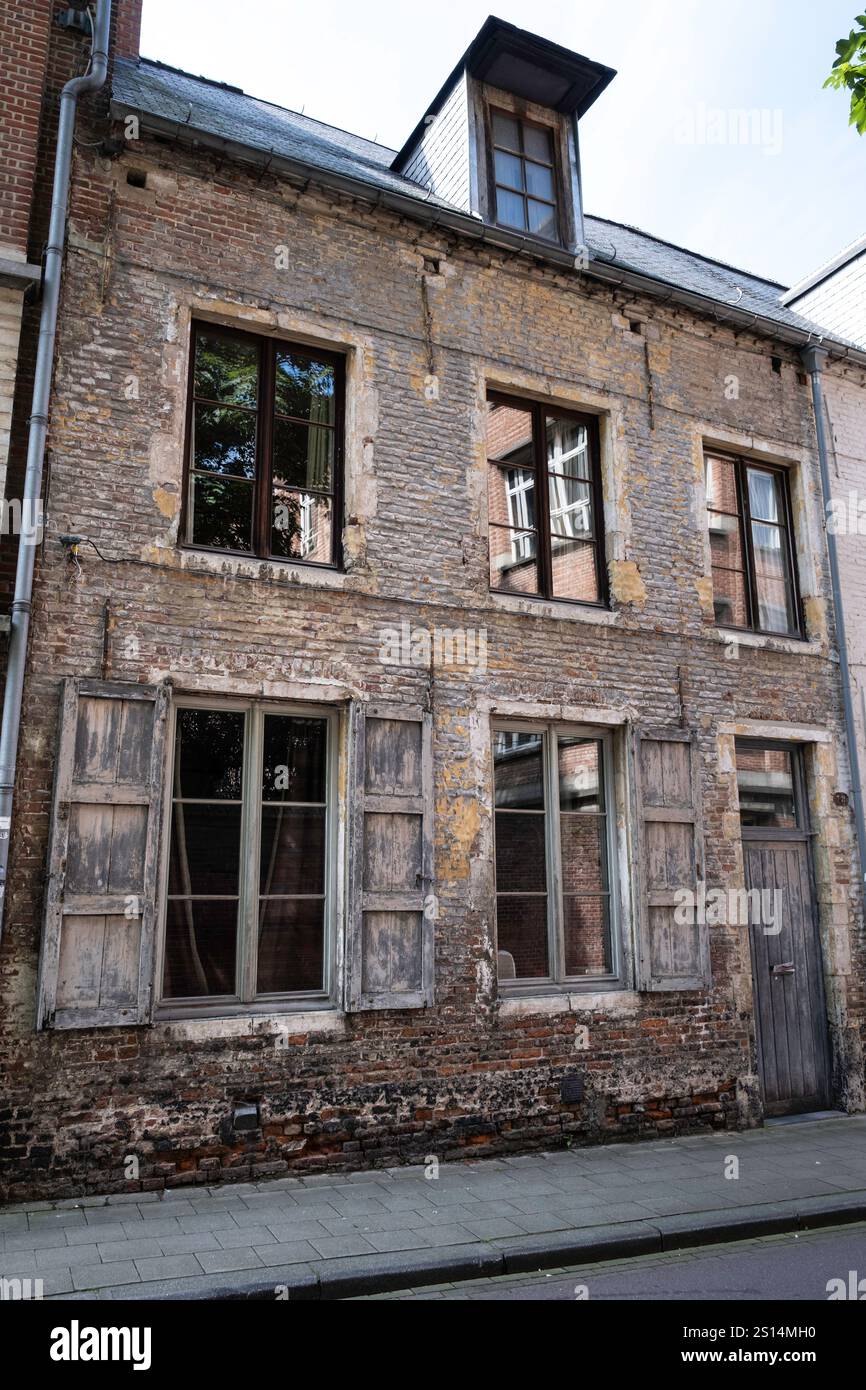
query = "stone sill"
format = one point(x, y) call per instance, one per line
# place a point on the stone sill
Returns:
point(792, 646)
point(550, 608)
point(275, 1026)
point(613, 1000)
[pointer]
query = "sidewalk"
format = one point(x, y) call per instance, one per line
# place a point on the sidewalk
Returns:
point(332, 1236)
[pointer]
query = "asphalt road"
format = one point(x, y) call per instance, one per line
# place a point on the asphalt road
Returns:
point(784, 1267)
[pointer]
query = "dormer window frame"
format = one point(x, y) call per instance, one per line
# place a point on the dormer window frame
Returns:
point(483, 102)
point(492, 109)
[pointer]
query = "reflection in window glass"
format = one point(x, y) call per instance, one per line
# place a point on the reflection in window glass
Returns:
point(753, 577)
point(213, 868)
point(765, 783)
point(563, 825)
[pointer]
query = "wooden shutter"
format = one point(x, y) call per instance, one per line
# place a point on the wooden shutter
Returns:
point(389, 955)
point(97, 951)
point(670, 852)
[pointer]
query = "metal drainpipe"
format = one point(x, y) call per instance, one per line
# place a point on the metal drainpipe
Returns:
point(813, 359)
point(91, 81)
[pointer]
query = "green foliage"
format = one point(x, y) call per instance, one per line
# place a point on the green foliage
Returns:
point(849, 70)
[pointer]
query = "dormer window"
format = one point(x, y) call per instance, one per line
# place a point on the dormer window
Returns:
point(524, 176)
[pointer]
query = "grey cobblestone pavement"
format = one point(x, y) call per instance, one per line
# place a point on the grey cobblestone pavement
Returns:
point(403, 1226)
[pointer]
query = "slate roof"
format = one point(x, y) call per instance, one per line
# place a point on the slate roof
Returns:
point(226, 112)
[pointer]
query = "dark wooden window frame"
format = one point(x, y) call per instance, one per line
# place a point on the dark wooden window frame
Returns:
point(491, 110)
point(263, 484)
point(247, 1000)
point(540, 410)
point(741, 464)
point(557, 982)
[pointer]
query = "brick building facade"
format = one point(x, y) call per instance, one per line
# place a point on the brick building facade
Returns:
point(260, 854)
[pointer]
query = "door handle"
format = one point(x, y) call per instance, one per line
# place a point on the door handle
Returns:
point(786, 968)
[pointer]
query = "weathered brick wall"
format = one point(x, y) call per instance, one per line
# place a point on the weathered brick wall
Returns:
point(471, 1072)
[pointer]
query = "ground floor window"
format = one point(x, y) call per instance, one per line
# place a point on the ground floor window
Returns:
point(249, 892)
point(554, 855)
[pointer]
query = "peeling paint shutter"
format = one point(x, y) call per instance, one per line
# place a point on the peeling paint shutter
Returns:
point(97, 952)
point(390, 920)
point(671, 955)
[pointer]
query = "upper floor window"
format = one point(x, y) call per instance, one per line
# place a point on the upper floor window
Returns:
point(524, 176)
point(544, 501)
point(749, 519)
point(264, 458)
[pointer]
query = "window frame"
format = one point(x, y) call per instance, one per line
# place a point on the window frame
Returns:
point(491, 109)
point(803, 829)
point(539, 410)
point(267, 346)
point(742, 463)
point(245, 1001)
point(558, 982)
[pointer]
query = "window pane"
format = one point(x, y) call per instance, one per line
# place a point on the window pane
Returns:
point(205, 849)
point(775, 597)
point(304, 387)
point(521, 932)
point(209, 754)
point(224, 441)
point(293, 850)
point(726, 546)
point(509, 209)
point(575, 570)
point(200, 947)
point(729, 598)
point(581, 786)
point(764, 495)
point(505, 131)
point(539, 181)
point(570, 508)
point(509, 169)
point(586, 930)
point(222, 513)
point(509, 434)
point(303, 456)
point(513, 560)
point(722, 486)
point(775, 606)
point(226, 369)
point(542, 218)
point(302, 526)
point(294, 758)
point(291, 948)
point(520, 865)
point(584, 860)
point(765, 782)
point(536, 143)
point(567, 447)
point(517, 768)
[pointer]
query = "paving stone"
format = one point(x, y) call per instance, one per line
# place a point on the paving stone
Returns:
point(35, 1240)
point(166, 1267)
point(54, 1220)
point(245, 1235)
point(399, 1240)
point(220, 1261)
point(189, 1245)
point(100, 1276)
point(297, 1230)
point(128, 1249)
point(91, 1235)
point(66, 1256)
point(219, 1221)
point(331, 1248)
point(286, 1252)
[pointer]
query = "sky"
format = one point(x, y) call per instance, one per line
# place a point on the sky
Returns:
point(715, 134)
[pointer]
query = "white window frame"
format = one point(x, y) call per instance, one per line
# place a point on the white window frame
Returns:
point(245, 1001)
point(557, 981)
